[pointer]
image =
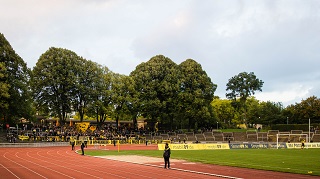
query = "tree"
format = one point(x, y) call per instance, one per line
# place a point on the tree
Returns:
point(103, 103)
point(265, 113)
point(271, 113)
point(300, 113)
point(242, 86)
point(195, 94)
point(4, 89)
point(15, 97)
point(88, 81)
point(224, 111)
point(156, 83)
point(122, 89)
point(54, 81)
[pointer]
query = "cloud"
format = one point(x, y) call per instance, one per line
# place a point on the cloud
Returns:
point(289, 95)
point(277, 40)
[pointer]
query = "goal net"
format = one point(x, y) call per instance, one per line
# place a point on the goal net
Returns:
point(291, 138)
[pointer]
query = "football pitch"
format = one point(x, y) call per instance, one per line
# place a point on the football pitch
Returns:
point(306, 161)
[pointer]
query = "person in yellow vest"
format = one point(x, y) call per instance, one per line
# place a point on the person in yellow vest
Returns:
point(72, 142)
point(302, 143)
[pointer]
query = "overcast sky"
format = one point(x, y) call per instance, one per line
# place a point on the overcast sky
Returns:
point(278, 40)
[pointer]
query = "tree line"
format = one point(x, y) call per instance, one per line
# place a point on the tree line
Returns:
point(172, 95)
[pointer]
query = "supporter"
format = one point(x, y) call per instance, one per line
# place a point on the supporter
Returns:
point(166, 156)
point(82, 148)
point(72, 143)
point(302, 143)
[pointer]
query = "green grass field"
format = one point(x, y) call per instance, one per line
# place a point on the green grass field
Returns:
point(305, 161)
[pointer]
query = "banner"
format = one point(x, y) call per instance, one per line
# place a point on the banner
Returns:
point(306, 145)
point(82, 126)
point(258, 146)
point(195, 146)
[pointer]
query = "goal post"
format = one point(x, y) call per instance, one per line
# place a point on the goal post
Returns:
point(288, 136)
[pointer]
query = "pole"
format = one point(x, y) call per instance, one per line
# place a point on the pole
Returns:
point(309, 130)
point(277, 141)
point(118, 146)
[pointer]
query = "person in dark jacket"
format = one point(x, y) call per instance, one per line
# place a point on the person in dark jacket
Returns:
point(166, 156)
point(82, 147)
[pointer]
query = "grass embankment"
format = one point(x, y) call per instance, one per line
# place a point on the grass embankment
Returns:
point(284, 160)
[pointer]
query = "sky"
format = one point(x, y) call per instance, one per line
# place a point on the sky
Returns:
point(278, 40)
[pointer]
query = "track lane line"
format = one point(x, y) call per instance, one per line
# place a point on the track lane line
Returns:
point(10, 171)
point(24, 166)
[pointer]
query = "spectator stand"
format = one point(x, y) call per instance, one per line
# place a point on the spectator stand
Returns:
point(218, 135)
point(315, 137)
point(284, 137)
point(200, 137)
point(295, 138)
point(165, 136)
point(262, 136)
point(272, 135)
point(173, 137)
point(228, 136)
point(209, 136)
point(191, 137)
point(252, 135)
point(182, 137)
point(306, 134)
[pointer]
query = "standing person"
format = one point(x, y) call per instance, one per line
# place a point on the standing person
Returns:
point(302, 144)
point(166, 156)
point(72, 143)
point(86, 141)
point(82, 148)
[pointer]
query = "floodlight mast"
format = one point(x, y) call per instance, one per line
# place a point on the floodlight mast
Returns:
point(309, 130)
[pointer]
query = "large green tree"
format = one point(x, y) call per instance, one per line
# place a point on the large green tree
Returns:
point(122, 90)
point(156, 82)
point(261, 112)
point(54, 81)
point(88, 76)
point(300, 113)
point(195, 94)
point(16, 98)
point(4, 89)
point(241, 87)
point(224, 112)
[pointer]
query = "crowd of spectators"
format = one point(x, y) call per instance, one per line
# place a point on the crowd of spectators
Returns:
point(66, 132)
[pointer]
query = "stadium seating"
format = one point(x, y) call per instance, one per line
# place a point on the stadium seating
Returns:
point(252, 135)
point(316, 138)
point(200, 137)
point(165, 136)
point(209, 136)
point(296, 131)
point(191, 137)
point(227, 136)
point(182, 137)
point(218, 135)
point(272, 135)
point(262, 136)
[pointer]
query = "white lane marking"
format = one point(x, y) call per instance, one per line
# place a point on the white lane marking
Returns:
point(10, 171)
point(23, 166)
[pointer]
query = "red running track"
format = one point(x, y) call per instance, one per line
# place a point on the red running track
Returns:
point(61, 162)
